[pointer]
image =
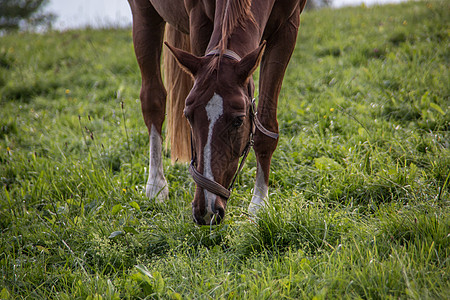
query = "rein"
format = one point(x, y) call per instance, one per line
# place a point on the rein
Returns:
point(211, 185)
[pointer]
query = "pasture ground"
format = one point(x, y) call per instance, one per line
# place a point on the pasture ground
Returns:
point(359, 189)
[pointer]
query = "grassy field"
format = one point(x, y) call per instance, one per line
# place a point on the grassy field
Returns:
point(359, 188)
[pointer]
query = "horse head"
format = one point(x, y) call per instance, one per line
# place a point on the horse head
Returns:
point(220, 111)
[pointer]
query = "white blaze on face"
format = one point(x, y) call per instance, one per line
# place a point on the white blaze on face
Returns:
point(214, 109)
point(156, 183)
point(260, 192)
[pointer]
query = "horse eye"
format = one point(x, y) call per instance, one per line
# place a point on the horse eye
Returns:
point(238, 121)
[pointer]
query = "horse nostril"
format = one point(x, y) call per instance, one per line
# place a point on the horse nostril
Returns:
point(199, 221)
point(221, 212)
point(197, 216)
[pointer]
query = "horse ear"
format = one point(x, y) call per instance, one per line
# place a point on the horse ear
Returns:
point(250, 62)
point(188, 62)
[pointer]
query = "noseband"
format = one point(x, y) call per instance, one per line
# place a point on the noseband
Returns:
point(211, 185)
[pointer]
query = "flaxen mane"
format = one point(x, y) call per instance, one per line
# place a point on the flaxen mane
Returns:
point(178, 84)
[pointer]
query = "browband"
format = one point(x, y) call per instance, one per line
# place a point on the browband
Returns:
point(227, 53)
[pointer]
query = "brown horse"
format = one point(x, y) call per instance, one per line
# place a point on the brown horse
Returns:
point(219, 43)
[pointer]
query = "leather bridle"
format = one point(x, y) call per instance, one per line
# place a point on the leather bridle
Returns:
point(211, 185)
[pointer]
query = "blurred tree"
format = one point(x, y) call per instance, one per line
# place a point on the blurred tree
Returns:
point(14, 13)
point(314, 4)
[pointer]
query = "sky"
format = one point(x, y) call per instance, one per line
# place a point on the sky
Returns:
point(98, 13)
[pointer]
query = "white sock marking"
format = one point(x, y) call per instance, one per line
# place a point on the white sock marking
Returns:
point(260, 192)
point(214, 109)
point(156, 183)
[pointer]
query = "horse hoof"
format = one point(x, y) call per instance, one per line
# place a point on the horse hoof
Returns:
point(156, 192)
point(254, 208)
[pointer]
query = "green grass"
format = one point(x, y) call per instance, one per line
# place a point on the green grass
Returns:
point(359, 188)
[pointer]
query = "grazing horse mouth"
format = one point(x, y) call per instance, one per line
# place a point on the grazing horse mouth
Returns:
point(210, 218)
point(215, 215)
point(211, 185)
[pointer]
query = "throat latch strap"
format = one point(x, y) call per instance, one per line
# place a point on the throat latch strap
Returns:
point(261, 128)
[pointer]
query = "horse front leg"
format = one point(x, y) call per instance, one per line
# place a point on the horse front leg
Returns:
point(156, 186)
point(273, 66)
point(148, 32)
